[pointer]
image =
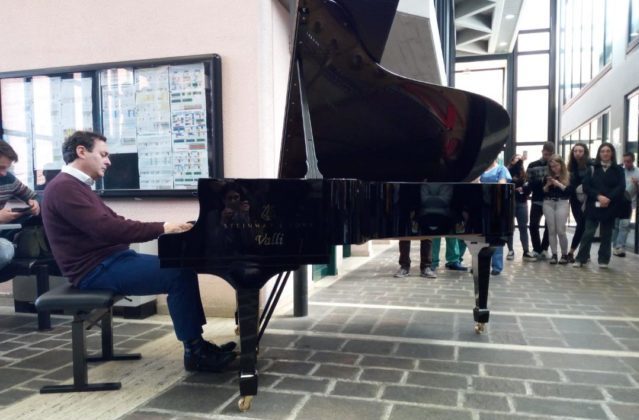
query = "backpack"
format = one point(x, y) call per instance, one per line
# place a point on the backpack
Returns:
point(31, 242)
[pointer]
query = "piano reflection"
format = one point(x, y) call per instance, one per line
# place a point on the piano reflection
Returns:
point(366, 154)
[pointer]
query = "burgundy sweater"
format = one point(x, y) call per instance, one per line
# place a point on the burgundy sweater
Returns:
point(82, 230)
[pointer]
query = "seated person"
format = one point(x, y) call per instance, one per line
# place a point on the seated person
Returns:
point(90, 243)
point(11, 188)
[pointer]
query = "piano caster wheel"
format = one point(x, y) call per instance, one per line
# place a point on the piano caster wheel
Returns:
point(244, 403)
point(480, 327)
point(237, 330)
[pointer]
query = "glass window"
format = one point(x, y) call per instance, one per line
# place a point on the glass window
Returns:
point(489, 83)
point(536, 41)
point(633, 123)
point(633, 32)
point(593, 133)
point(598, 36)
point(535, 15)
point(532, 70)
point(576, 49)
point(586, 42)
point(38, 113)
point(532, 115)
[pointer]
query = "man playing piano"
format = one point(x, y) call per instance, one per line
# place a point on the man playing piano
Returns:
point(90, 243)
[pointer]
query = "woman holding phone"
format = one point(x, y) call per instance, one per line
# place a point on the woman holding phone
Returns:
point(557, 191)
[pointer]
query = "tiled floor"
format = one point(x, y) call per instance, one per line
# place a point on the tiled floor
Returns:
point(562, 343)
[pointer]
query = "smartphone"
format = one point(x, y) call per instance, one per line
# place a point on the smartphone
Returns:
point(20, 209)
point(524, 155)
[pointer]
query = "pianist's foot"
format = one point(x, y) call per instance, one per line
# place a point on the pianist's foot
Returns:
point(230, 346)
point(202, 356)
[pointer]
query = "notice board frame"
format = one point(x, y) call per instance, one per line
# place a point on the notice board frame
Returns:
point(213, 95)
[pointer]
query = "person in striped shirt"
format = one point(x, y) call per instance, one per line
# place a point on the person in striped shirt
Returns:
point(11, 188)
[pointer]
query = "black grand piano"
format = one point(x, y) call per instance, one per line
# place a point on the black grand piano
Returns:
point(365, 154)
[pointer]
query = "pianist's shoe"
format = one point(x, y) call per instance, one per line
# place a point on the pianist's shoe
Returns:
point(207, 357)
point(402, 272)
point(230, 346)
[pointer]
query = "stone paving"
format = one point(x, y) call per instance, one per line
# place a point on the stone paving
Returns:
point(562, 343)
point(30, 359)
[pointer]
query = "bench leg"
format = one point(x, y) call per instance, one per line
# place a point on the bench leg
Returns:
point(42, 286)
point(106, 324)
point(80, 370)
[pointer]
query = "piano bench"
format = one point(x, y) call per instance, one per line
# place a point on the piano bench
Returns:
point(87, 307)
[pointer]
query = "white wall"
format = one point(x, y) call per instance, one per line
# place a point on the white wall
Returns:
point(251, 36)
point(611, 89)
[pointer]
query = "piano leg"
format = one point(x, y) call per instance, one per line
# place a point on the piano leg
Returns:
point(481, 253)
point(248, 314)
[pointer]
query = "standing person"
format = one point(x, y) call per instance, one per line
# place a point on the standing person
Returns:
point(11, 188)
point(557, 193)
point(499, 174)
point(90, 243)
point(622, 223)
point(425, 262)
point(604, 188)
point(516, 169)
point(536, 180)
point(578, 164)
point(455, 249)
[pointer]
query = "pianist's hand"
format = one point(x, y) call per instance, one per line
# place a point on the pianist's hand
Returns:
point(176, 227)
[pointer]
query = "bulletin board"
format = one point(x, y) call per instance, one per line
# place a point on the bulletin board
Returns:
point(162, 119)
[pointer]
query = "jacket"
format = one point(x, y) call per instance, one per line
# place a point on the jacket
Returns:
point(610, 183)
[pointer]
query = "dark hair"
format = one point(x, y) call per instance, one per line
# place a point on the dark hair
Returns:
point(7, 151)
point(613, 158)
point(79, 138)
point(574, 164)
point(630, 155)
point(549, 147)
point(517, 169)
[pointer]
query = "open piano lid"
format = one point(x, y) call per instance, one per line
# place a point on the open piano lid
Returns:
point(371, 124)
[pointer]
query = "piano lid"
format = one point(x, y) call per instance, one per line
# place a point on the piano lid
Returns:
point(368, 123)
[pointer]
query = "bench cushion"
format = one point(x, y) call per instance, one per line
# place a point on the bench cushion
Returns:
point(69, 298)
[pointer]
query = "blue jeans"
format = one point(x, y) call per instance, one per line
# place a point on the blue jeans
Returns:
point(521, 214)
point(132, 274)
point(620, 233)
point(497, 260)
point(7, 251)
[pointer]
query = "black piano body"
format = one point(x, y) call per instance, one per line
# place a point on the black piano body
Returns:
point(290, 222)
point(366, 154)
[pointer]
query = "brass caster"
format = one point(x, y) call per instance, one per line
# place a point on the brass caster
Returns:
point(480, 327)
point(244, 403)
point(237, 330)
